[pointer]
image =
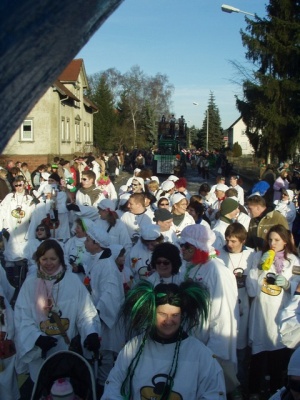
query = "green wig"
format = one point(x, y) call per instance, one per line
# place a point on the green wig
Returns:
point(142, 300)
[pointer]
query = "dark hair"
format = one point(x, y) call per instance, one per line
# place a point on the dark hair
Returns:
point(90, 174)
point(50, 244)
point(286, 236)
point(198, 207)
point(47, 229)
point(204, 188)
point(151, 197)
point(170, 252)
point(237, 230)
point(162, 199)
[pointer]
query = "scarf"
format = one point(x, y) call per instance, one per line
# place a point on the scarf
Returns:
point(92, 192)
point(43, 296)
point(279, 261)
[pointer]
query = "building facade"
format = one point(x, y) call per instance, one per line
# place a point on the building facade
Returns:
point(237, 133)
point(60, 124)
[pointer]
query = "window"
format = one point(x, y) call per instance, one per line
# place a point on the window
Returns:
point(77, 131)
point(68, 130)
point(27, 131)
point(63, 130)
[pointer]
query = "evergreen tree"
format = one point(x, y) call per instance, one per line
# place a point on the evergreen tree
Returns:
point(271, 104)
point(212, 118)
point(105, 118)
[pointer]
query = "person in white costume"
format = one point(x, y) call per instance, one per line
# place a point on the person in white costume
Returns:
point(203, 265)
point(292, 390)
point(104, 282)
point(164, 219)
point(15, 212)
point(107, 189)
point(139, 260)
point(88, 193)
point(109, 222)
point(228, 212)
point(8, 378)
point(163, 362)
point(286, 207)
point(75, 251)
point(235, 183)
point(52, 297)
point(53, 211)
point(269, 284)
point(42, 233)
point(166, 261)
point(239, 259)
point(137, 216)
point(181, 218)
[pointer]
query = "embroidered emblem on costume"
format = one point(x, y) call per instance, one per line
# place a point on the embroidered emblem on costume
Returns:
point(156, 391)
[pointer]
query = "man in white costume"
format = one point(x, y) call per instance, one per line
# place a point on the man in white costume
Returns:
point(104, 281)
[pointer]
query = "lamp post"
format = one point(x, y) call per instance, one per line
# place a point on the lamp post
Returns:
point(207, 124)
point(230, 9)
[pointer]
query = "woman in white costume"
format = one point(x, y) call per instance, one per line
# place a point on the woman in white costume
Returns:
point(49, 299)
point(163, 361)
point(166, 261)
point(269, 285)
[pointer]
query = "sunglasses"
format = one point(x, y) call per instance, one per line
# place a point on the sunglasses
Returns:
point(21, 184)
point(40, 229)
point(162, 262)
point(185, 245)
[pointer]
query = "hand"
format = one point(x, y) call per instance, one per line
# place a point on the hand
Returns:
point(281, 281)
point(73, 207)
point(5, 233)
point(92, 342)
point(46, 342)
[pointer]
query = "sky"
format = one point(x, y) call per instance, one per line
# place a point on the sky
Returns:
point(191, 41)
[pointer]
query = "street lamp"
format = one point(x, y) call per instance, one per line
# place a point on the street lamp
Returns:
point(230, 9)
point(207, 122)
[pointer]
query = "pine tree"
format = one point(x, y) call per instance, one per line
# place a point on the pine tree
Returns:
point(271, 104)
point(215, 136)
point(105, 118)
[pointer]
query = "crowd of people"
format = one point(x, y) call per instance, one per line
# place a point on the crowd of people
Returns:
point(186, 296)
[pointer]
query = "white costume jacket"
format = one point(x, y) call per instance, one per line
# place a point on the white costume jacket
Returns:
point(198, 375)
point(77, 311)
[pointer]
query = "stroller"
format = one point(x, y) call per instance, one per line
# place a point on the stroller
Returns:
point(66, 364)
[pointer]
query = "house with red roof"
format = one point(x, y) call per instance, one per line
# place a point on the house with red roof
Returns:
point(60, 123)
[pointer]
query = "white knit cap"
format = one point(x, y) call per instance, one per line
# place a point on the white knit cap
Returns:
point(140, 180)
point(222, 187)
point(199, 236)
point(167, 185)
point(155, 178)
point(124, 198)
point(92, 230)
point(294, 364)
point(62, 389)
point(106, 204)
point(150, 232)
point(177, 197)
point(173, 178)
